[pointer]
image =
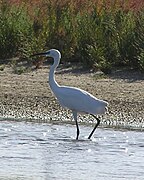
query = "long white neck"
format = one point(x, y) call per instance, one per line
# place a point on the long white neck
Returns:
point(53, 84)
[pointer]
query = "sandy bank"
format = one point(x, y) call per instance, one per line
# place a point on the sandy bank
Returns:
point(28, 95)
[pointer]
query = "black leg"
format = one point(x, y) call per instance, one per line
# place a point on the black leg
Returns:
point(98, 122)
point(77, 130)
point(77, 126)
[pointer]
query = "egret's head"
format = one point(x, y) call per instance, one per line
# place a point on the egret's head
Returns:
point(54, 53)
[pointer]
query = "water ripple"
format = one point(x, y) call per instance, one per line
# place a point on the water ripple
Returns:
point(48, 151)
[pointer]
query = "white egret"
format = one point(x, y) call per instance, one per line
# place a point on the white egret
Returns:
point(75, 99)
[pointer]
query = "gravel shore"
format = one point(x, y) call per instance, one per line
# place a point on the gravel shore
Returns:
point(28, 96)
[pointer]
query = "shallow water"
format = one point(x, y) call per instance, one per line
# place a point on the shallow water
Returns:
point(47, 151)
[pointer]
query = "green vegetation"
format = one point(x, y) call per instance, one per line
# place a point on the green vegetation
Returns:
point(106, 36)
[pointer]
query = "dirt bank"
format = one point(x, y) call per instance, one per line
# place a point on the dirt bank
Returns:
point(28, 95)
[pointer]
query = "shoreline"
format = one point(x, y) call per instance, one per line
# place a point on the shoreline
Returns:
point(28, 95)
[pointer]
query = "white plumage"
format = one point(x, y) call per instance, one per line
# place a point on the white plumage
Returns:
point(75, 99)
point(79, 100)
